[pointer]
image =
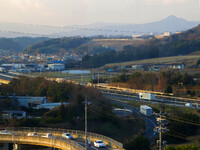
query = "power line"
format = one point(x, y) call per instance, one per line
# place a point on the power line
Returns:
point(197, 124)
point(32, 34)
point(180, 118)
point(183, 136)
point(180, 136)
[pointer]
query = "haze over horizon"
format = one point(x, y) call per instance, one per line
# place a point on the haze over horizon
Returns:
point(84, 12)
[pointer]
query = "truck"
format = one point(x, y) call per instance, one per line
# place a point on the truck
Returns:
point(188, 104)
point(146, 110)
point(2, 69)
point(147, 96)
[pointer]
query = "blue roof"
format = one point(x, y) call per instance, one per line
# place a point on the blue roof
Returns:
point(58, 62)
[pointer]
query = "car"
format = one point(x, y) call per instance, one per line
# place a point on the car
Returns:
point(67, 136)
point(5, 132)
point(32, 134)
point(48, 135)
point(99, 143)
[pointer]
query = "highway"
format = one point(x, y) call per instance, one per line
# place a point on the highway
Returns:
point(20, 136)
point(149, 121)
point(159, 100)
point(6, 77)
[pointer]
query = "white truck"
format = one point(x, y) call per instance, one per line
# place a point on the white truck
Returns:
point(2, 69)
point(147, 96)
point(146, 110)
point(188, 104)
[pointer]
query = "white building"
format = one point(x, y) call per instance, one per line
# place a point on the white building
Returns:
point(167, 33)
point(28, 101)
point(13, 114)
point(177, 66)
point(56, 66)
point(50, 105)
point(137, 67)
point(15, 66)
point(76, 71)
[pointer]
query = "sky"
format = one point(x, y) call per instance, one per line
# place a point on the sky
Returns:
point(82, 12)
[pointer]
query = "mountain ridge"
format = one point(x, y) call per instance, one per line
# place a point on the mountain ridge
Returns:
point(170, 24)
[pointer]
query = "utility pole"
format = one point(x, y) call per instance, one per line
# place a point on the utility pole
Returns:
point(86, 104)
point(160, 133)
point(124, 110)
point(110, 77)
point(98, 77)
point(86, 124)
point(160, 128)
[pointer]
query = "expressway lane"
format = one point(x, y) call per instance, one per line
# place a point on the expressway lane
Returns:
point(55, 136)
point(158, 100)
point(92, 147)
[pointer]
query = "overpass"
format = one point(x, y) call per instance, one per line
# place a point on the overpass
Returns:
point(42, 141)
point(19, 136)
point(6, 77)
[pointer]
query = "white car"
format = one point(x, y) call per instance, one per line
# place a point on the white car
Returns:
point(32, 134)
point(99, 143)
point(67, 136)
point(48, 135)
point(5, 132)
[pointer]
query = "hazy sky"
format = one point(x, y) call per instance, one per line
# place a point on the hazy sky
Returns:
point(70, 12)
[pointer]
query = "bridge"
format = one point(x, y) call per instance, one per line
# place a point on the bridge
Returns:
point(19, 136)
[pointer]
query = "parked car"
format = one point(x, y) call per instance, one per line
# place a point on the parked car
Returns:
point(67, 136)
point(32, 134)
point(48, 135)
point(99, 143)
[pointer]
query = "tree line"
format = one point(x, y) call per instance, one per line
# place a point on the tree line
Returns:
point(168, 82)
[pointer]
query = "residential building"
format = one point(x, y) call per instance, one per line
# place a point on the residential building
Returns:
point(13, 114)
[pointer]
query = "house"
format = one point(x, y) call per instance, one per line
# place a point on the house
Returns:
point(177, 66)
point(13, 114)
point(137, 67)
point(167, 33)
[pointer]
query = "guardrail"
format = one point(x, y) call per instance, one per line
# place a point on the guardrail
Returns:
point(56, 131)
point(56, 142)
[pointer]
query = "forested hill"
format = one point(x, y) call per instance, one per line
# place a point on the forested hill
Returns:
point(53, 46)
point(177, 44)
point(20, 43)
point(7, 44)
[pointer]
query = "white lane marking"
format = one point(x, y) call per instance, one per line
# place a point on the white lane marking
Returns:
point(94, 147)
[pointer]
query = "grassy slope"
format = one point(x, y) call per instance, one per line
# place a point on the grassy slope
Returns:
point(118, 44)
point(188, 59)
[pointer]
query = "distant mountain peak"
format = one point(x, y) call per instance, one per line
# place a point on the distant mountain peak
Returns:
point(174, 18)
